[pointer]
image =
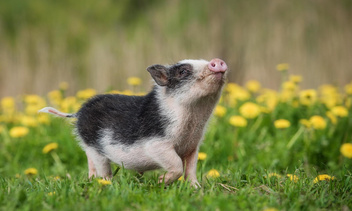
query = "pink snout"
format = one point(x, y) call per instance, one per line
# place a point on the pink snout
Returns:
point(217, 66)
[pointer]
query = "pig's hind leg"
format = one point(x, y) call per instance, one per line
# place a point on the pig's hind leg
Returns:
point(98, 164)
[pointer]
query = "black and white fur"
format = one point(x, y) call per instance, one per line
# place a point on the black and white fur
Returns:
point(162, 129)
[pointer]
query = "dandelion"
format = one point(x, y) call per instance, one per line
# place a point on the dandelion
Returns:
point(289, 86)
point(213, 173)
point(43, 119)
point(346, 150)
point(295, 78)
point(332, 117)
point(18, 132)
point(318, 122)
point(63, 85)
point(31, 171)
point(55, 97)
point(308, 97)
point(29, 121)
point(274, 175)
point(340, 111)
point(348, 89)
point(69, 103)
point(306, 123)
point(104, 182)
point(86, 94)
point(270, 209)
point(249, 110)
point(8, 104)
point(323, 177)
point(282, 67)
point(50, 147)
point(238, 121)
point(219, 111)
point(253, 86)
point(282, 123)
point(202, 156)
point(292, 177)
point(51, 193)
point(134, 81)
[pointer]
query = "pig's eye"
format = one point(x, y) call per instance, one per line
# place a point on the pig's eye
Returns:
point(183, 72)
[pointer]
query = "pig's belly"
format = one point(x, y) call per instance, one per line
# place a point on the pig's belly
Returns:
point(134, 158)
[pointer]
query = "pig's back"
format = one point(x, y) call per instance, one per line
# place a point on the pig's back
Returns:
point(126, 119)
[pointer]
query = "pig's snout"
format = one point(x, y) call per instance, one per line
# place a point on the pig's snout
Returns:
point(217, 66)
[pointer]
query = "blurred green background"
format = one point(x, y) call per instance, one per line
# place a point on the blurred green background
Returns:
point(98, 44)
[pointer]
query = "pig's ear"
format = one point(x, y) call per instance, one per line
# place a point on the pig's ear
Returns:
point(159, 74)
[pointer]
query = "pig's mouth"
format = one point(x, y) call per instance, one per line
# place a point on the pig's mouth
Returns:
point(213, 75)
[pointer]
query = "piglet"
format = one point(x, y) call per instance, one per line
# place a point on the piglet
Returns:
point(162, 129)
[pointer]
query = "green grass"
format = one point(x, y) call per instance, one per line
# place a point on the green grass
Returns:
point(246, 159)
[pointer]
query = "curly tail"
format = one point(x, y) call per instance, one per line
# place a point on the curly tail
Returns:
point(54, 111)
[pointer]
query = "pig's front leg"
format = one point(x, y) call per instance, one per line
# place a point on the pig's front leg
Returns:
point(165, 155)
point(191, 168)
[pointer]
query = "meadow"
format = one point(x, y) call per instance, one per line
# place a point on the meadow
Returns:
point(286, 149)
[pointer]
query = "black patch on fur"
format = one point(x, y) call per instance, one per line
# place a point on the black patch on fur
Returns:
point(178, 74)
point(129, 117)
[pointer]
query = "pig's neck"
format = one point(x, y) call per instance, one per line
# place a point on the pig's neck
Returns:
point(187, 121)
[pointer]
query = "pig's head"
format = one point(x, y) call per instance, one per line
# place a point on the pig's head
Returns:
point(190, 80)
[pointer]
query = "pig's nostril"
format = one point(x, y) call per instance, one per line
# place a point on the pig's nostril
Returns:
point(217, 65)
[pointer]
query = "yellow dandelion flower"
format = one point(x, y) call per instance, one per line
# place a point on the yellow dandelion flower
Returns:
point(253, 86)
point(289, 86)
point(308, 97)
point(51, 193)
point(7, 103)
point(2, 128)
point(249, 110)
point(29, 121)
point(213, 173)
point(55, 97)
point(202, 156)
point(286, 95)
point(282, 67)
point(323, 177)
point(238, 121)
point(104, 182)
point(43, 119)
point(127, 92)
point(318, 122)
point(56, 178)
point(19, 131)
point(306, 123)
point(134, 81)
point(332, 117)
point(348, 89)
point(274, 175)
point(236, 92)
point(181, 178)
point(63, 85)
point(68, 104)
point(282, 123)
point(219, 111)
point(340, 111)
point(295, 78)
point(50, 147)
point(86, 94)
point(270, 209)
point(292, 177)
point(346, 150)
point(31, 171)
